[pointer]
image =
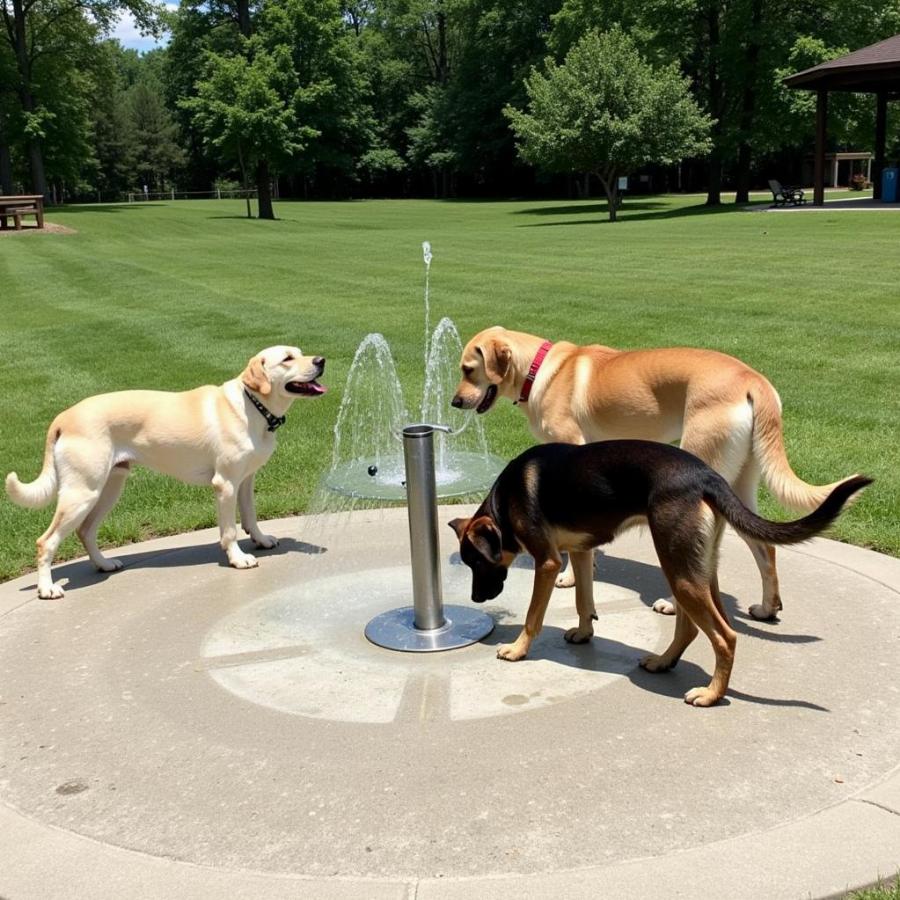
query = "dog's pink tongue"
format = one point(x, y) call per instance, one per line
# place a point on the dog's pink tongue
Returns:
point(315, 388)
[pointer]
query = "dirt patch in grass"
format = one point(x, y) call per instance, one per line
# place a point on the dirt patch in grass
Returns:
point(49, 228)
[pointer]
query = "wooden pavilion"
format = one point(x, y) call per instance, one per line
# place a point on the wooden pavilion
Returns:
point(871, 70)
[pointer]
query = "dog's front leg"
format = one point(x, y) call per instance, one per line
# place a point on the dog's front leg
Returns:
point(582, 562)
point(544, 578)
point(226, 499)
point(247, 507)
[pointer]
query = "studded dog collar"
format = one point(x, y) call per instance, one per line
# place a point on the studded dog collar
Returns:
point(275, 422)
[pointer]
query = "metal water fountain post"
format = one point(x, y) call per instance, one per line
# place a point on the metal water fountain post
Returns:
point(421, 499)
point(428, 625)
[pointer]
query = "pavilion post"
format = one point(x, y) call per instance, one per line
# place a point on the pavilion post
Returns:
point(819, 175)
point(880, 131)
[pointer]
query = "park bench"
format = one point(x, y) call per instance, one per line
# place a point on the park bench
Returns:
point(14, 207)
point(783, 195)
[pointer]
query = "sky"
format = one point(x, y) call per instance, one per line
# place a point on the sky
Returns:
point(126, 32)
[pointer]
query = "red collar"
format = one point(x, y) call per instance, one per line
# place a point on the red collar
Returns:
point(532, 372)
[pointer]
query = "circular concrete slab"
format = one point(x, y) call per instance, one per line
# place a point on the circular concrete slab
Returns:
point(241, 720)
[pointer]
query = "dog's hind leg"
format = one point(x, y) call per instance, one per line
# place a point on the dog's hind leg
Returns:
point(73, 505)
point(87, 531)
point(722, 437)
point(687, 542)
point(698, 603)
point(567, 431)
point(582, 563)
point(746, 487)
point(247, 507)
point(226, 501)
point(83, 467)
point(685, 632)
point(545, 573)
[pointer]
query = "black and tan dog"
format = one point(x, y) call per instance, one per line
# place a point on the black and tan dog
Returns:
point(557, 497)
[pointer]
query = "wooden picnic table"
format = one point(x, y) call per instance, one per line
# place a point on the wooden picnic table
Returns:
point(17, 205)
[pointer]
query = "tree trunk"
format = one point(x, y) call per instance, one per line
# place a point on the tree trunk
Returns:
point(23, 64)
point(748, 103)
point(742, 176)
point(714, 178)
point(264, 190)
point(6, 185)
point(610, 183)
point(243, 17)
point(443, 65)
point(714, 187)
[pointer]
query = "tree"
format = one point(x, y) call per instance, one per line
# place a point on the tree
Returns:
point(608, 112)
point(288, 99)
point(7, 98)
point(153, 134)
point(735, 52)
point(244, 108)
point(43, 30)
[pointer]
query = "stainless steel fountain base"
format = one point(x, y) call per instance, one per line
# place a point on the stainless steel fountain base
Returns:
point(427, 625)
point(396, 630)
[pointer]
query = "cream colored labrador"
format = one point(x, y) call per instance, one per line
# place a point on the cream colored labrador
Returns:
point(716, 406)
point(210, 435)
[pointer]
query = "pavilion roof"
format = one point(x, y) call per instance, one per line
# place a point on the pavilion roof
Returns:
point(868, 70)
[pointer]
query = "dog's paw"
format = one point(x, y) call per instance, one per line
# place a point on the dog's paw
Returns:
point(53, 592)
point(109, 565)
point(655, 663)
point(577, 636)
point(565, 579)
point(265, 541)
point(701, 696)
point(762, 613)
point(510, 652)
point(664, 607)
point(243, 561)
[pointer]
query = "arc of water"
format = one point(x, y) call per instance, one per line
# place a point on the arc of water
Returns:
point(426, 256)
point(372, 410)
point(445, 348)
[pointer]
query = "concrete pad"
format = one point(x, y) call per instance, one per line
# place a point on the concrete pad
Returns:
point(182, 728)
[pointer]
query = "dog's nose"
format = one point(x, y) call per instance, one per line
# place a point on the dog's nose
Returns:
point(319, 362)
point(457, 402)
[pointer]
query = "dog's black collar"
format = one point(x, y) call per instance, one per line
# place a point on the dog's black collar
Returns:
point(275, 422)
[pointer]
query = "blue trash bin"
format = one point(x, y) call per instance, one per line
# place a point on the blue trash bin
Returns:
point(889, 179)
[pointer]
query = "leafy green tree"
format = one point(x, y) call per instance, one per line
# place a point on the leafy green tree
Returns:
point(153, 135)
point(386, 82)
point(111, 126)
point(606, 111)
point(42, 34)
point(7, 110)
point(286, 99)
point(735, 52)
point(330, 104)
point(245, 108)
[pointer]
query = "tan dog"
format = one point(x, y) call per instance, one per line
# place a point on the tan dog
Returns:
point(211, 435)
point(719, 408)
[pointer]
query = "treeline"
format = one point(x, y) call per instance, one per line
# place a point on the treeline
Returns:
point(392, 97)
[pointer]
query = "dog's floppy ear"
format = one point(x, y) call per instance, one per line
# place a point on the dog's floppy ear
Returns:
point(485, 538)
point(459, 526)
point(497, 356)
point(255, 377)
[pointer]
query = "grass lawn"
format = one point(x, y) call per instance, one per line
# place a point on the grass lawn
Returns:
point(882, 891)
point(173, 295)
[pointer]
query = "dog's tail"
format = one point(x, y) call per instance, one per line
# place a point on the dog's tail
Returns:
point(42, 490)
point(721, 497)
point(768, 449)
